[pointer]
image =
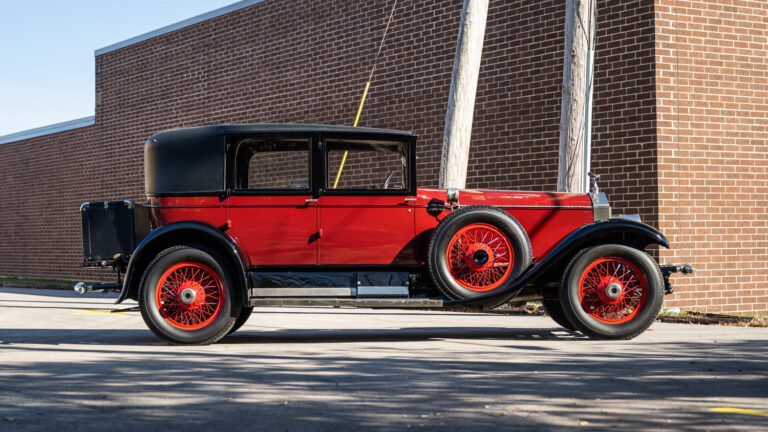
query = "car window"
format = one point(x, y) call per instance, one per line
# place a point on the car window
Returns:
point(369, 165)
point(272, 164)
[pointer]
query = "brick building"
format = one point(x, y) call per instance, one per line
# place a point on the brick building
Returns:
point(681, 116)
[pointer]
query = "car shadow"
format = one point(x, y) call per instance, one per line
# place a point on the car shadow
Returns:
point(398, 335)
point(124, 337)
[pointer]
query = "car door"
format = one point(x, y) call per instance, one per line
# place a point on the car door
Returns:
point(366, 210)
point(273, 215)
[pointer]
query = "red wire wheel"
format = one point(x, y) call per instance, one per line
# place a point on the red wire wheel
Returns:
point(612, 290)
point(480, 257)
point(189, 295)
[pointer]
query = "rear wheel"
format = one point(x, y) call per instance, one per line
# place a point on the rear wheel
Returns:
point(186, 296)
point(612, 291)
point(477, 250)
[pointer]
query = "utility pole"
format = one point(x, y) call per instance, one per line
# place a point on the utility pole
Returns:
point(461, 99)
point(576, 115)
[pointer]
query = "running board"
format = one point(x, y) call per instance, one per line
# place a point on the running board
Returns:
point(350, 302)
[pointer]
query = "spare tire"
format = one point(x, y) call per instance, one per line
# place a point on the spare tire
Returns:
point(477, 250)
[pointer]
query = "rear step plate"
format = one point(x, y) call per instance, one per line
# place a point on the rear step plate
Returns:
point(360, 303)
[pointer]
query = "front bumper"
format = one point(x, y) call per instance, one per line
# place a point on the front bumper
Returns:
point(668, 269)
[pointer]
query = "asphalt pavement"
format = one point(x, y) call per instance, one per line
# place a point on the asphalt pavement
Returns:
point(68, 362)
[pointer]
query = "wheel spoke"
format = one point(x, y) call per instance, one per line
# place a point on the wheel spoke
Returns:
point(205, 305)
point(479, 275)
point(595, 281)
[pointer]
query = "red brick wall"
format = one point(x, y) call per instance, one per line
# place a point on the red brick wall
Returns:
point(306, 61)
point(624, 135)
point(712, 86)
point(516, 131)
point(44, 180)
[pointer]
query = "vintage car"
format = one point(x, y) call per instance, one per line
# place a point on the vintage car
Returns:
point(239, 216)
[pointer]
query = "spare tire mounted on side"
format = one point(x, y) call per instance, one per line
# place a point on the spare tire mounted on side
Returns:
point(477, 250)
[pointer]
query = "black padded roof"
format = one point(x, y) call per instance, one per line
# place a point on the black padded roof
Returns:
point(255, 128)
point(193, 160)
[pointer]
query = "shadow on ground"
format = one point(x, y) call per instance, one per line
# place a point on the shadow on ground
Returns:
point(122, 337)
point(433, 378)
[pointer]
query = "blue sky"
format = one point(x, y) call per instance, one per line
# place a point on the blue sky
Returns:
point(46, 51)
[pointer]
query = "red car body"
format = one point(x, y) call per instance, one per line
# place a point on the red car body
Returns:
point(396, 229)
point(244, 215)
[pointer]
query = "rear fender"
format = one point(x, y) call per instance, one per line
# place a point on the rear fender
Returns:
point(180, 233)
point(622, 231)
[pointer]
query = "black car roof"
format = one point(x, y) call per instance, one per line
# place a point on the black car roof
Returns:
point(193, 160)
point(228, 129)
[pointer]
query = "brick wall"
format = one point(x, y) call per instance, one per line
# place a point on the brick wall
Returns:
point(306, 61)
point(712, 87)
point(44, 180)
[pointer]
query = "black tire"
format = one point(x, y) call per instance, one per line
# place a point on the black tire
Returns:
point(245, 313)
point(639, 289)
point(211, 266)
point(465, 217)
point(554, 309)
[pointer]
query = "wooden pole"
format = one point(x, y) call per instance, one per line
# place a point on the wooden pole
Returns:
point(576, 114)
point(461, 99)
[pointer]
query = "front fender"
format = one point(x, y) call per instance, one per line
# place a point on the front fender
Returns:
point(610, 231)
point(176, 234)
point(623, 230)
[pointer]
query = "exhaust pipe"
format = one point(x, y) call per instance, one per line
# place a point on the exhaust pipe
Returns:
point(81, 288)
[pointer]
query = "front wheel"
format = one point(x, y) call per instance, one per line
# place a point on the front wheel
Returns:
point(186, 296)
point(245, 313)
point(612, 291)
point(554, 309)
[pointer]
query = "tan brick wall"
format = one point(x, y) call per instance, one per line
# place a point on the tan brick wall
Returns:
point(712, 98)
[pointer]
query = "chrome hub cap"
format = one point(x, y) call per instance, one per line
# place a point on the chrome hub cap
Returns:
point(188, 295)
point(613, 290)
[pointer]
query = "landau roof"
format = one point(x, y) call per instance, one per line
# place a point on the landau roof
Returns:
point(193, 160)
point(228, 129)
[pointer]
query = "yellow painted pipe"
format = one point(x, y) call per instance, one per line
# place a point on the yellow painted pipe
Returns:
point(362, 102)
point(357, 119)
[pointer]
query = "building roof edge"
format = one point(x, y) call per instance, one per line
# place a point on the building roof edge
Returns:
point(178, 25)
point(48, 130)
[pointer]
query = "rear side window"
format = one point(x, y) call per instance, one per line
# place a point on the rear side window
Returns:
point(263, 164)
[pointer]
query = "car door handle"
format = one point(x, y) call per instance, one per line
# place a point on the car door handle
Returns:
point(410, 199)
point(310, 200)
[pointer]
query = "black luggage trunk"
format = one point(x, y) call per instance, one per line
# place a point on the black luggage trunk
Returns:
point(111, 230)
